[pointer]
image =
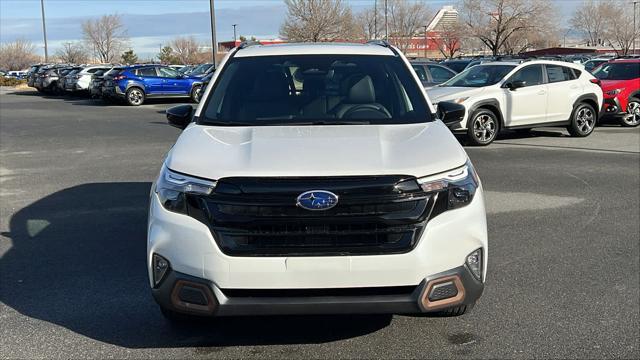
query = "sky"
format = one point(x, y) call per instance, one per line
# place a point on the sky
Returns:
point(153, 23)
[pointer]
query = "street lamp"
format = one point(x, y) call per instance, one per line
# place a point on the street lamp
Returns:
point(44, 31)
point(426, 42)
point(214, 45)
point(635, 29)
point(234, 34)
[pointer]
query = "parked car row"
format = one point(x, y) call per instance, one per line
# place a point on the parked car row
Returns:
point(521, 95)
point(111, 82)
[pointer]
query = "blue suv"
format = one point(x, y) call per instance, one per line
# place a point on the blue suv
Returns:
point(136, 83)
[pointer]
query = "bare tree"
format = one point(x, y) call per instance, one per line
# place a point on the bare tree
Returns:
point(593, 19)
point(449, 39)
point(405, 21)
point(72, 53)
point(367, 26)
point(106, 36)
point(185, 49)
point(317, 20)
point(494, 22)
point(17, 55)
point(620, 30)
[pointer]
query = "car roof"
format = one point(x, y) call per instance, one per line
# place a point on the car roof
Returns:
point(625, 60)
point(314, 49)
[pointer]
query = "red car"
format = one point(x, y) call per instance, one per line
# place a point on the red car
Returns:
point(620, 81)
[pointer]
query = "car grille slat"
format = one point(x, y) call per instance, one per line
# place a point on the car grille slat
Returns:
point(259, 217)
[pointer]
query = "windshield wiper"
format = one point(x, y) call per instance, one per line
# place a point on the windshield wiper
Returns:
point(330, 122)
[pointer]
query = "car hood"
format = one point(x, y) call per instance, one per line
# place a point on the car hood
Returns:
point(338, 150)
point(446, 93)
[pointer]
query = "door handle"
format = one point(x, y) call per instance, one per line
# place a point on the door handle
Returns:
point(541, 92)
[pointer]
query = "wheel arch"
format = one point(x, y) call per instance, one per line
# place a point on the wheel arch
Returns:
point(590, 99)
point(490, 104)
point(137, 84)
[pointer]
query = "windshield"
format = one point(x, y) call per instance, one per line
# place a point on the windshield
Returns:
point(480, 75)
point(200, 69)
point(618, 71)
point(456, 66)
point(592, 64)
point(315, 90)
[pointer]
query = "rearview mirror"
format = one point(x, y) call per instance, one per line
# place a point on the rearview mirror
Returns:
point(515, 84)
point(179, 116)
point(450, 113)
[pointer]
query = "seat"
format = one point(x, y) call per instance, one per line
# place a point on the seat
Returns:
point(360, 102)
point(268, 98)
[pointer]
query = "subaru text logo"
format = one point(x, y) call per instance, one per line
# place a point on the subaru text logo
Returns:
point(317, 200)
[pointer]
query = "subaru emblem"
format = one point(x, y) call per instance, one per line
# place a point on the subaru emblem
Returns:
point(317, 200)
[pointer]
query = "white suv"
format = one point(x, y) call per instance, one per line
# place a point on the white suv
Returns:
point(504, 95)
point(315, 178)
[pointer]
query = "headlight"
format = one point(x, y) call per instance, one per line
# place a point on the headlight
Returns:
point(172, 187)
point(614, 92)
point(460, 100)
point(459, 184)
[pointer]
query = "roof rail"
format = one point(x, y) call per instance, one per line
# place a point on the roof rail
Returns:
point(384, 43)
point(248, 43)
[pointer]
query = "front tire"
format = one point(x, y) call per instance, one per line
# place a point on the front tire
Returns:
point(135, 96)
point(196, 93)
point(483, 127)
point(632, 119)
point(583, 120)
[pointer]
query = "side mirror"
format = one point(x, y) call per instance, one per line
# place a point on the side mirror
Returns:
point(513, 85)
point(179, 116)
point(450, 113)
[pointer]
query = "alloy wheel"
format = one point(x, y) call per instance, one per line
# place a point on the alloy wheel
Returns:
point(633, 114)
point(585, 120)
point(135, 97)
point(484, 128)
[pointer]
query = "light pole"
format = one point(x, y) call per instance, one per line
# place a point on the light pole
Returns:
point(234, 34)
point(426, 42)
point(635, 29)
point(44, 31)
point(214, 45)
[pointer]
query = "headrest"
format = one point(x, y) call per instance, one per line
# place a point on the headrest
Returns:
point(362, 92)
point(270, 85)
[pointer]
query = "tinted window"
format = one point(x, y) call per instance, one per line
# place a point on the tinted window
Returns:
point(440, 74)
point(420, 71)
point(618, 71)
point(323, 89)
point(146, 71)
point(556, 73)
point(480, 75)
point(456, 66)
point(167, 72)
point(531, 75)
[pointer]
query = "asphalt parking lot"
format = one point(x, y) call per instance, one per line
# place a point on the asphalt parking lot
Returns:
point(564, 253)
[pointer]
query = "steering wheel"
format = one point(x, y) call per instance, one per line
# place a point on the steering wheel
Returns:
point(367, 111)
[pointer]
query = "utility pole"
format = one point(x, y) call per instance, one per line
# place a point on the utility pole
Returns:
point(234, 34)
point(386, 24)
point(426, 42)
point(375, 20)
point(214, 44)
point(44, 31)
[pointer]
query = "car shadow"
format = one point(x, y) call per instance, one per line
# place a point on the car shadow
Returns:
point(77, 259)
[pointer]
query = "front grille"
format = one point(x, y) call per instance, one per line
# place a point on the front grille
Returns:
point(259, 217)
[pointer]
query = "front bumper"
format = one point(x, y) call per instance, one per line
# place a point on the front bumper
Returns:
point(191, 295)
point(194, 256)
point(611, 107)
